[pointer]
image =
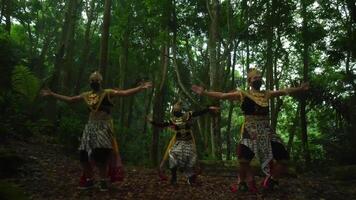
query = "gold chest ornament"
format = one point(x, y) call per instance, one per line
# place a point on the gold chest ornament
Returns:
point(93, 99)
point(181, 123)
point(260, 97)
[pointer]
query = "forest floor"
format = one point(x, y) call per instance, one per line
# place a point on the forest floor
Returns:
point(47, 173)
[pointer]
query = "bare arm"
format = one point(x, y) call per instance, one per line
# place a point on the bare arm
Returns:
point(72, 99)
point(164, 124)
point(213, 109)
point(161, 125)
point(132, 91)
point(303, 87)
point(236, 95)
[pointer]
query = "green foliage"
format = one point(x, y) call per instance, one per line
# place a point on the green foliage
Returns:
point(25, 83)
point(10, 191)
point(10, 55)
point(70, 130)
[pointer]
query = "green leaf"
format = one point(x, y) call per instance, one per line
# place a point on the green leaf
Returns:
point(25, 82)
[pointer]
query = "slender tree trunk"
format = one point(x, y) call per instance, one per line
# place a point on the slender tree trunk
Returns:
point(7, 14)
point(86, 49)
point(158, 104)
point(104, 46)
point(214, 70)
point(351, 19)
point(303, 113)
point(292, 129)
point(39, 70)
point(148, 108)
point(352, 9)
point(231, 109)
point(174, 49)
point(269, 61)
point(66, 35)
point(2, 10)
point(124, 76)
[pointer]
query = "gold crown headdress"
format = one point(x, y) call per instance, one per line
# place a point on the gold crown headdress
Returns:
point(96, 76)
point(177, 106)
point(253, 72)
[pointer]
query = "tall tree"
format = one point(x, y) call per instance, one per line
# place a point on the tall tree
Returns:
point(7, 7)
point(213, 9)
point(62, 51)
point(305, 55)
point(90, 10)
point(104, 46)
point(158, 103)
point(271, 7)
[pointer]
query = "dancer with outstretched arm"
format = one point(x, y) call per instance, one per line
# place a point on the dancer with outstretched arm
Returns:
point(182, 149)
point(98, 142)
point(257, 136)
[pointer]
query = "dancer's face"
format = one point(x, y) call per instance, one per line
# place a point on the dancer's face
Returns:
point(256, 82)
point(177, 113)
point(95, 85)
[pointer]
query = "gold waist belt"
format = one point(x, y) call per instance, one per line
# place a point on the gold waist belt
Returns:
point(256, 118)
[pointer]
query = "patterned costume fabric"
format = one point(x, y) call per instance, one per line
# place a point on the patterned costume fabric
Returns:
point(96, 134)
point(183, 155)
point(257, 133)
point(181, 150)
point(99, 131)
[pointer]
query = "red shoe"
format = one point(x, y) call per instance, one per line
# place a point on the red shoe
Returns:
point(234, 188)
point(244, 187)
point(252, 187)
point(162, 176)
point(85, 183)
point(116, 174)
point(269, 183)
point(240, 187)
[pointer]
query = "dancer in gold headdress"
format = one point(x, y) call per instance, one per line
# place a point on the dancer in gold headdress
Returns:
point(98, 142)
point(181, 150)
point(257, 136)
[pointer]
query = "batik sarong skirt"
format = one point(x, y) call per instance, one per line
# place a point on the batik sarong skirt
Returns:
point(96, 134)
point(257, 135)
point(183, 155)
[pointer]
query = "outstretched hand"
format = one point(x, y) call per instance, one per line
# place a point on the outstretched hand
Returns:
point(149, 118)
point(46, 92)
point(214, 109)
point(146, 85)
point(305, 86)
point(198, 89)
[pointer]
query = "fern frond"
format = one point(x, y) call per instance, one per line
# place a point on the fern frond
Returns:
point(25, 82)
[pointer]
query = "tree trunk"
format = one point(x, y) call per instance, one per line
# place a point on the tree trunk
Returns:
point(104, 45)
point(148, 108)
point(66, 35)
point(303, 113)
point(7, 14)
point(174, 49)
point(39, 70)
point(214, 70)
point(86, 48)
point(231, 108)
point(69, 57)
point(292, 130)
point(269, 59)
point(158, 104)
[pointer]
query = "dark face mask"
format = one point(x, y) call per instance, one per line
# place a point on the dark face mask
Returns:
point(177, 113)
point(95, 86)
point(257, 84)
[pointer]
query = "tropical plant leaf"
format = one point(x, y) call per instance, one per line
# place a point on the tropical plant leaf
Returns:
point(25, 82)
